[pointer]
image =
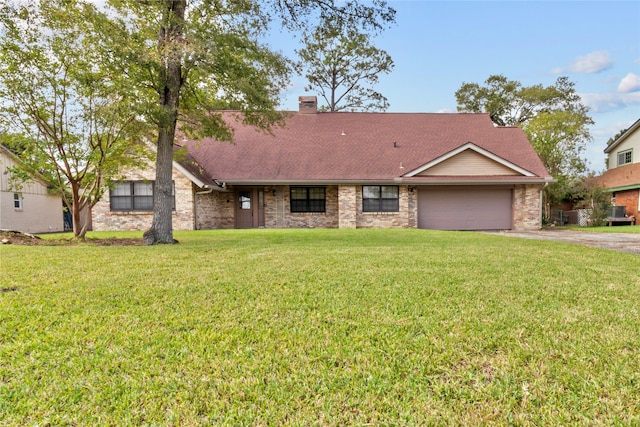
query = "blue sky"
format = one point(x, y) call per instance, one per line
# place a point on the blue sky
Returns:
point(438, 45)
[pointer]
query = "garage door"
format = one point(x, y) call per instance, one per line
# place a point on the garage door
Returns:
point(465, 209)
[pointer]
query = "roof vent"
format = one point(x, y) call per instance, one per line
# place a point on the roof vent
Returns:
point(308, 104)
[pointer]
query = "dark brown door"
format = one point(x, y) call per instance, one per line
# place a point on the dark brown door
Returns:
point(250, 208)
point(244, 209)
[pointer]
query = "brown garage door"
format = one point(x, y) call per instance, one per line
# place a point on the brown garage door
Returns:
point(465, 209)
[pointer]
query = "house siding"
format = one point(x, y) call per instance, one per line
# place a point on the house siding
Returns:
point(182, 218)
point(468, 163)
point(41, 210)
point(632, 142)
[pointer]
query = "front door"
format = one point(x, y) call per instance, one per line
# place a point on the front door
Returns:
point(249, 208)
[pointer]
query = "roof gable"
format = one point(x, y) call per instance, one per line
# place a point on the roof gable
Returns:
point(469, 160)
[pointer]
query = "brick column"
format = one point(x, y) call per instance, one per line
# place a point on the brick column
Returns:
point(347, 206)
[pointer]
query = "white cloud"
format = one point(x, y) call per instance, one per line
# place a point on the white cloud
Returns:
point(604, 102)
point(630, 83)
point(591, 63)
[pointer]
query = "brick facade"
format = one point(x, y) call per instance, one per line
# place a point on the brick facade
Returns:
point(527, 207)
point(630, 199)
point(214, 209)
point(400, 219)
point(201, 209)
point(106, 220)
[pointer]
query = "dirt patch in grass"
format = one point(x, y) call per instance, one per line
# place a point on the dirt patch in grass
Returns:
point(19, 238)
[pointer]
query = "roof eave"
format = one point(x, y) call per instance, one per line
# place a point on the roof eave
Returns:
point(392, 181)
point(622, 137)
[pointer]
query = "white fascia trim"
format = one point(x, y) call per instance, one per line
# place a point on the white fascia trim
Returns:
point(189, 175)
point(471, 146)
point(622, 137)
point(194, 179)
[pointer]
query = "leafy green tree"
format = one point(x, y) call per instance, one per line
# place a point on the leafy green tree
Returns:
point(190, 58)
point(553, 118)
point(616, 136)
point(341, 64)
point(62, 106)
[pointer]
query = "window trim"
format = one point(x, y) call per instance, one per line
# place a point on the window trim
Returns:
point(131, 196)
point(307, 201)
point(624, 154)
point(379, 199)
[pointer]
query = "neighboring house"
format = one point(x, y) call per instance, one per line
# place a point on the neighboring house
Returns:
point(346, 170)
point(622, 177)
point(28, 206)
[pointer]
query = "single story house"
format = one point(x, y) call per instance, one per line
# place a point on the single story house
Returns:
point(30, 206)
point(345, 170)
point(622, 177)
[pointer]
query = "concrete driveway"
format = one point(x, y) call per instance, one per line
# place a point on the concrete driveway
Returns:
point(614, 241)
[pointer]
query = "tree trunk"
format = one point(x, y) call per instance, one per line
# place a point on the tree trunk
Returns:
point(79, 226)
point(161, 230)
point(170, 43)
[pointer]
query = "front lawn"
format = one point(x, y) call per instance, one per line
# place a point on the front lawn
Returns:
point(320, 327)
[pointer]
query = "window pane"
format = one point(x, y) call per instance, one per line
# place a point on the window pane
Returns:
point(389, 205)
point(316, 205)
point(142, 188)
point(371, 205)
point(119, 203)
point(245, 200)
point(316, 193)
point(298, 193)
point(370, 192)
point(298, 206)
point(390, 192)
point(143, 203)
point(121, 189)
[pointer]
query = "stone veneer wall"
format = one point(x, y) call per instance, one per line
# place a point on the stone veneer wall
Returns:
point(526, 207)
point(214, 209)
point(105, 220)
point(278, 210)
point(404, 218)
point(347, 206)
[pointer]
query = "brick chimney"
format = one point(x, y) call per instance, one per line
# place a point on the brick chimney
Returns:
point(307, 104)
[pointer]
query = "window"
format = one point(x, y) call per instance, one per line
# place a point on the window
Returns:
point(624, 157)
point(17, 201)
point(308, 199)
point(380, 198)
point(244, 201)
point(134, 196)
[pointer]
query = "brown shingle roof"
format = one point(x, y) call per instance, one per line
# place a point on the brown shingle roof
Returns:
point(356, 147)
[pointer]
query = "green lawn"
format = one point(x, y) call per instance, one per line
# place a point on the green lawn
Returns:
point(320, 328)
point(606, 229)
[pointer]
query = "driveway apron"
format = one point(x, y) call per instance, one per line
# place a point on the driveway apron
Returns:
point(622, 242)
